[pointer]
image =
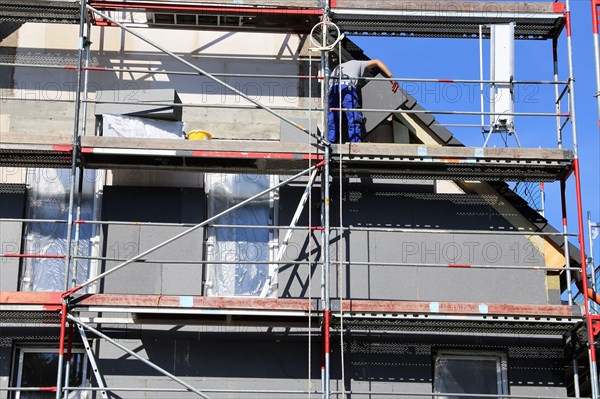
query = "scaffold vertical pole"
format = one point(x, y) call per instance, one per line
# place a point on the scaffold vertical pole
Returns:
point(74, 157)
point(565, 229)
point(567, 253)
point(61, 348)
point(542, 199)
point(556, 92)
point(591, 256)
point(86, 46)
point(589, 324)
point(481, 87)
point(595, 24)
point(326, 211)
point(68, 361)
point(75, 148)
point(581, 234)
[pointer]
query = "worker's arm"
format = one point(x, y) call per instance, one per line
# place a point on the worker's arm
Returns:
point(385, 70)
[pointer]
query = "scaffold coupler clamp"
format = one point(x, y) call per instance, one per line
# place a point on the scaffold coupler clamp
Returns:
point(595, 329)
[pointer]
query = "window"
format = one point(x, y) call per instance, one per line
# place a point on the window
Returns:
point(37, 367)
point(48, 198)
point(469, 372)
point(235, 249)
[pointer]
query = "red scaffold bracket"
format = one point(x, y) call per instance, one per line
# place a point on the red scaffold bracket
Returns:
point(595, 325)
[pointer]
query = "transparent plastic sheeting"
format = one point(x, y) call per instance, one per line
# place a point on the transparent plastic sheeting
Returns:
point(48, 198)
point(133, 126)
point(239, 245)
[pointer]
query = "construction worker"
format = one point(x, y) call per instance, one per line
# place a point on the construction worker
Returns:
point(349, 85)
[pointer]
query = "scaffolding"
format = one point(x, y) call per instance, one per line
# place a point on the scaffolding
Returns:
point(328, 314)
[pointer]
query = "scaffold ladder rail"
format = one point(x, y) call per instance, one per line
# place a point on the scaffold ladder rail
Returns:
point(284, 244)
point(92, 359)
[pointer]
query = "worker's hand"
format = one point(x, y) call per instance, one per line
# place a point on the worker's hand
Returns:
point(395, 86)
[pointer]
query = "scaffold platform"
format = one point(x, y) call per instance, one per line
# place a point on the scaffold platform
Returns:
point(449, 19)
point(274, 157)
point(356, 314)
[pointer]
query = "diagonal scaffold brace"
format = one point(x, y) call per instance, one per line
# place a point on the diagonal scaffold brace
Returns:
point(192, 229)
point(135, 355)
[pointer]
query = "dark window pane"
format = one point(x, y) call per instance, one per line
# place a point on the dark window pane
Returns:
point(212, 20)
point(186, 19)
point(40, 370)
point(164, 19)
point(230, 21)
point(466, 375)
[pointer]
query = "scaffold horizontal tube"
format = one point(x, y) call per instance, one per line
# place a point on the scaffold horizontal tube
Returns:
point(452, 395)
point(157, 72)
point(213, 9)
point(241, 391)
point(275, 76)
point(284, 108)
point(33, 256)
point(28, 389)
point(465, 81)
point(267, 227)
point(274, 392)
point(346, 263)
point(164, 104)
point(443, 112)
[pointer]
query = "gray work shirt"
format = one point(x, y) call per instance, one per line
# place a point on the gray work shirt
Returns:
point(351, 70)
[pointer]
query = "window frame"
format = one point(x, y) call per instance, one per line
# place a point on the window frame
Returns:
point(270, 289)
point(501, 367)
point(25, 281)
point(20, 352)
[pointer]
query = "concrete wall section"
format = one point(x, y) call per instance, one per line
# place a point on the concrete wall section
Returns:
point(415, 266)
point(214, 52)
point(11, 243)
point(164, 275)
point(12, 206)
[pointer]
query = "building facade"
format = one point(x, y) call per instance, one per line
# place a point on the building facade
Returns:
point(266, 262)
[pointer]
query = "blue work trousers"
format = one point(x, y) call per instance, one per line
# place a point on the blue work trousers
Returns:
point(352, 118)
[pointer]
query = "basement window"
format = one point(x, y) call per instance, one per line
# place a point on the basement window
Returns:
point(186, 19)
point(230, 21)
point(164, 19)
point(208, 20)
point(470, 373)
point(37, 368)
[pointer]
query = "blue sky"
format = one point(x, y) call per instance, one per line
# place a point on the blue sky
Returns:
point(459, 59)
